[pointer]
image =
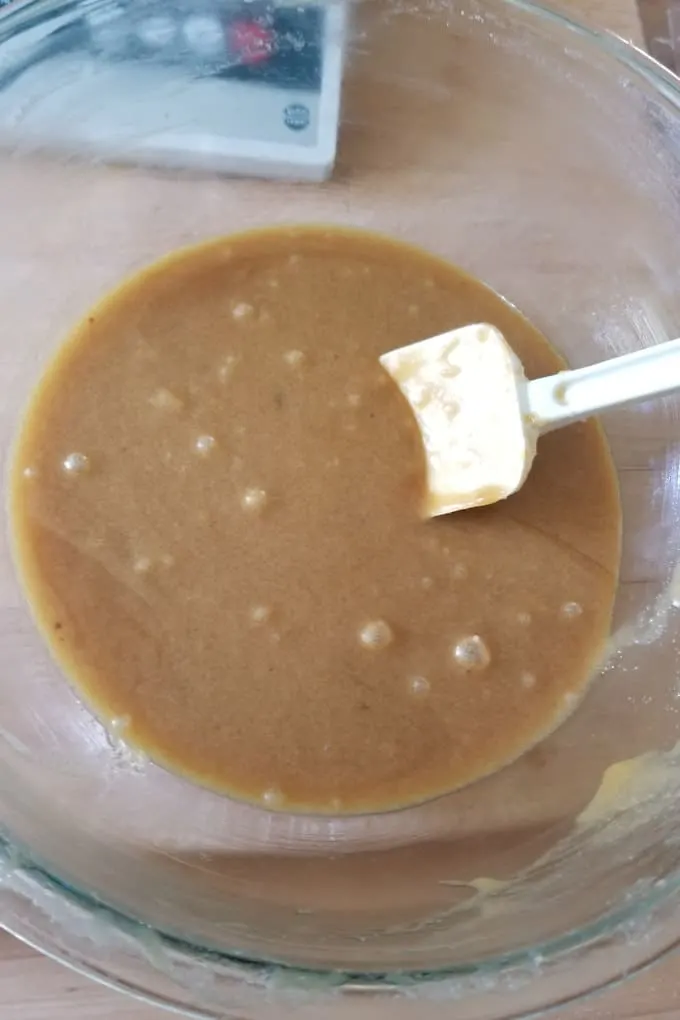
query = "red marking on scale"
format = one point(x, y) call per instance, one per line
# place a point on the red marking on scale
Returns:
point(252, 41)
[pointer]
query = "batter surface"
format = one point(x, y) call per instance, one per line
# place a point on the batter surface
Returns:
point(216, 502)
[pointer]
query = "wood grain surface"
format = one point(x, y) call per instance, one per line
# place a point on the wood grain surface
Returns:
point(35, 988)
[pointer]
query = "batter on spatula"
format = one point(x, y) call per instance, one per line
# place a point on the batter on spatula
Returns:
point(217, 515)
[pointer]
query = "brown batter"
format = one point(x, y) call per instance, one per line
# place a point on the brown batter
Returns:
point(215, 506)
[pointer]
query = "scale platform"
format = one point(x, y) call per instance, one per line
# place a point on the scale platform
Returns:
point(229, 86)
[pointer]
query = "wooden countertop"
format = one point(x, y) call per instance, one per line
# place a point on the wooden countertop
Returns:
point(35, 988)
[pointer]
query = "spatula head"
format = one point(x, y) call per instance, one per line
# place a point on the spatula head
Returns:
point(466, 391)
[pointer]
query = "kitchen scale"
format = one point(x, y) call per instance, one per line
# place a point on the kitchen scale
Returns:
point(230, 86)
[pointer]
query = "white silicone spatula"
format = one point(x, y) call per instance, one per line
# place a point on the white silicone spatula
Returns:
point(480, 418)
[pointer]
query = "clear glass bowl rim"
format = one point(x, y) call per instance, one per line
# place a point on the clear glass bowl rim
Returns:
point(658, 907)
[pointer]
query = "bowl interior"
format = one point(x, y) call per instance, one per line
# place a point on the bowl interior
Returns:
point(546, 162)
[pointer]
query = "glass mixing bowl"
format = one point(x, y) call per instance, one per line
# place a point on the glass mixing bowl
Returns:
point(545, 159)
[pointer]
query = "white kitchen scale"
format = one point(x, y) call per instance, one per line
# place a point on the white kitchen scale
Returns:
point(231, 86)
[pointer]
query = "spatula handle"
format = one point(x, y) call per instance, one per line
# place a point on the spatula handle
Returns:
point(570, 396)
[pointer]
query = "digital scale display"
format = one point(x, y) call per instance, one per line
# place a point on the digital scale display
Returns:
point(258, 42)
point(236, 86)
